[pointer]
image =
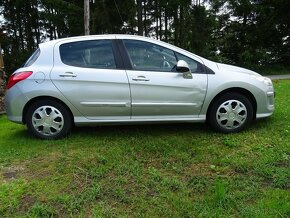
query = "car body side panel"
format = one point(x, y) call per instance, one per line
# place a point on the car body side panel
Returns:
point(224, 80)
point(14, 108)
point(23, 92)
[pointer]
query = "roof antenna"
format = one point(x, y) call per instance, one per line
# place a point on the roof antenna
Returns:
point(118, 11)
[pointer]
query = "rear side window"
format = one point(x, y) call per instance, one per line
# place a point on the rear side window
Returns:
point(88, 54)
point(32, 58)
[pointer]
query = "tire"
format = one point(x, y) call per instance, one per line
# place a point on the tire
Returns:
point(230, 113)
point(48, 119)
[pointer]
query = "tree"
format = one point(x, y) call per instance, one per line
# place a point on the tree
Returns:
point(110, 16)
point(245, 32)
point(253, 33)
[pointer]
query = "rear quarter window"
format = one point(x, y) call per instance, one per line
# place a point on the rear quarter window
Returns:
point(32, 58)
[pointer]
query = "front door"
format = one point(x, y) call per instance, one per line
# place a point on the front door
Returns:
point(157, 90)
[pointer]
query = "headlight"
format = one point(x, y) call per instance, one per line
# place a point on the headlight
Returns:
point(264, 80)
point(267, 81)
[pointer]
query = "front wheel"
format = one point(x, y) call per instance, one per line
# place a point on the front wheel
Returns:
point(47, 119)
point(231, 112)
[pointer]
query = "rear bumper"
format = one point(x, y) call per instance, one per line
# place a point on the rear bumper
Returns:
point(15, 101)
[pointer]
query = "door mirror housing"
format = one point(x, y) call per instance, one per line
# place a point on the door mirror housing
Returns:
point(183, 68)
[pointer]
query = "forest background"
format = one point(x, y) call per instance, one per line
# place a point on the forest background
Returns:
point(248, 33)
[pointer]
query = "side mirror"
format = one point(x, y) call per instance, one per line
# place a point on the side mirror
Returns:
point(183, 68)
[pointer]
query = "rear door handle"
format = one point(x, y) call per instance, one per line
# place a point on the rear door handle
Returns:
point(68, 74)
point(140, 78)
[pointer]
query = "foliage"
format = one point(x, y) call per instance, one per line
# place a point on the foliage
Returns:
point(250, 33)
point(253, 32)
point(172, 170)
point(2, 90)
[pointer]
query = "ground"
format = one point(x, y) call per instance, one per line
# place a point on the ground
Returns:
point(172, 170)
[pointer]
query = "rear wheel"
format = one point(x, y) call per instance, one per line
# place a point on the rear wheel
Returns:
point(47, 119)
point(231, 112)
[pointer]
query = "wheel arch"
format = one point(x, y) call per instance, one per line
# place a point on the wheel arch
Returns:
point(241, 91)
point(33, 100)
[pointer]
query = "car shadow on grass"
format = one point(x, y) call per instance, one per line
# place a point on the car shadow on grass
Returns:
point(22, 134)
point(145, 129)
point(123, 130)
point(261, 124)
point(148, 129)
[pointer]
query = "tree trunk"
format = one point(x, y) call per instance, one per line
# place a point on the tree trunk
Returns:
point(139, 13)
point(166, 24)
point(87, 17)
point(176, 24)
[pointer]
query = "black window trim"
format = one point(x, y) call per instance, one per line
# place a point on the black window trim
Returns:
point(118, 58)
point(121, 55)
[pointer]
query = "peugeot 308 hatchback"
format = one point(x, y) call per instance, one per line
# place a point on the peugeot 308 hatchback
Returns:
point(131, 79)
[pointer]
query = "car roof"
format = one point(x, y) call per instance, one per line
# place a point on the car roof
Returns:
point(91, 37)
point(52, 43)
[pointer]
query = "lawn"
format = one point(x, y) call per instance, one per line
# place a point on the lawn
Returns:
point(173, 170)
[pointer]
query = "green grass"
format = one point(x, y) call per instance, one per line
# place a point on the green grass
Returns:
point(174, 170)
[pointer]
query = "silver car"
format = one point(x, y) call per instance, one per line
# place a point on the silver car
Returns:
point(92, 80)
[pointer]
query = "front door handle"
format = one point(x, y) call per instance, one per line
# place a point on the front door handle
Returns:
point(68, 74)
point(140, 78)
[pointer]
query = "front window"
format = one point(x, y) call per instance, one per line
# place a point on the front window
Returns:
point(150, 57)
point(194, 66)
point(89, 54)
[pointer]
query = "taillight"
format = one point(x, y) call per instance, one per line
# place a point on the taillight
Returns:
point(15, 78)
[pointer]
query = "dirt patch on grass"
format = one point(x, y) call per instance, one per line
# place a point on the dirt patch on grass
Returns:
point(26, 202)
point(205, 169)
point(36, 168)
point(11, 173)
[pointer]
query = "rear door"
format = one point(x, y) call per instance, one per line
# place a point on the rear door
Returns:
point(89, 75)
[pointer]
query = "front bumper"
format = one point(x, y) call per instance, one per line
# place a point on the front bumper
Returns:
point(266, 104)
